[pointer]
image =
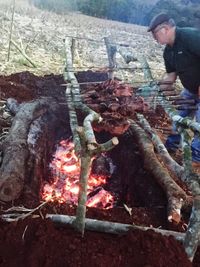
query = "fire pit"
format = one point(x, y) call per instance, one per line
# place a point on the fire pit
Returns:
point(65, 168)
point(122, 180)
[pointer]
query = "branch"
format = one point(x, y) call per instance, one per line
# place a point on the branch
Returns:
point(23, 53)
point(89, 147)
point(73, 120)
point(175, 195)
point(11, 29)
point(86, 160)
point(170, 163)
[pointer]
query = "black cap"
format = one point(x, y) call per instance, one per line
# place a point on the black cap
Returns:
point(157, 20)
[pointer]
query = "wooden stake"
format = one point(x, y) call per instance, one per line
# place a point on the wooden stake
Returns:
point(11, 28)
point(88, 145)
point(111, 51)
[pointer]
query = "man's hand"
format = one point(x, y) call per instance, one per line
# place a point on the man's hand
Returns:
point(167, 81)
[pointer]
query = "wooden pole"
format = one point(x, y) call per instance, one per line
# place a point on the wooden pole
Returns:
point(11, 29)
point(110, 227)
point(111, 52)
point(88, 145)
point(192, 236)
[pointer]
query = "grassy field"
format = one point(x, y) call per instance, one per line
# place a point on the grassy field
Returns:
point(40, 35)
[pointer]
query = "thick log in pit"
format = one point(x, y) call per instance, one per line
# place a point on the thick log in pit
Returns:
point(28, 146)
point(175, 194)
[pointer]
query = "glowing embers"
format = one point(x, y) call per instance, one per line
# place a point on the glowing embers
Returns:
point(65, 167)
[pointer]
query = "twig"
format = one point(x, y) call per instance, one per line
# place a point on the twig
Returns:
point(12, 217)
point(24, 232)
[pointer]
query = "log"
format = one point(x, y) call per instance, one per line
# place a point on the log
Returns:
point(169, 162)
point(175, 195)
point(23, 159)
point(110, 227)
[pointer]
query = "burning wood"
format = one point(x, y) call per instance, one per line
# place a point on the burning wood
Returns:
point(64, 188)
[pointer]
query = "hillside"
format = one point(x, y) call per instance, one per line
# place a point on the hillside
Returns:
point(41, 34)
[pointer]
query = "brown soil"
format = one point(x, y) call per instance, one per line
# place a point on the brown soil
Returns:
point(38, 242)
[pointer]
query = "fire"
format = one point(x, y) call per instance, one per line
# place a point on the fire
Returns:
point(65, 167)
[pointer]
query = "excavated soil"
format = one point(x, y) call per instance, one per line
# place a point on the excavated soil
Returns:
point(38, 242)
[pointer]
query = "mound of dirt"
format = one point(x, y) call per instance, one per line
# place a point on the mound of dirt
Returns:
point(38, 243)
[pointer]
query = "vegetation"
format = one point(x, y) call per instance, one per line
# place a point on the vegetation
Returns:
point(122, 10)
point(185, 12)
point(59, 6)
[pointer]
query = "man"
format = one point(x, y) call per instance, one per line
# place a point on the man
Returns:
point(182, 59)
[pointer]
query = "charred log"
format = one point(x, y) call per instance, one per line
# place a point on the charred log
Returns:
point(27, 147)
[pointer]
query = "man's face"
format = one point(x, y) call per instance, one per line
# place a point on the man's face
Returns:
point(160, 34)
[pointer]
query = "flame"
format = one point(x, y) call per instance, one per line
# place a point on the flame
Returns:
point(65, 168)
point(102, 199)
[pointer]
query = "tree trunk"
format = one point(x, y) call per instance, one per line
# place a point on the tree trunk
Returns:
point(25, 155)
point(175, 195)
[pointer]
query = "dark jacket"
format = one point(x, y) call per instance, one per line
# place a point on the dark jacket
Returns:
point(184, 57)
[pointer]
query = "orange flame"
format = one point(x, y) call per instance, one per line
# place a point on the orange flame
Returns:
point(65, 187)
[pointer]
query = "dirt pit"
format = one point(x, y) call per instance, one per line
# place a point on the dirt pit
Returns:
point(38, 242)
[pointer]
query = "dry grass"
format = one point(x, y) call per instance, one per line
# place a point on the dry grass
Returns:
point(41, 33)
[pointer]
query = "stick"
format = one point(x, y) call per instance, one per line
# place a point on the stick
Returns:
point(88, 145)
point(11, 28)
point(110, 227)
point(23, 53)
point(111, 52)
